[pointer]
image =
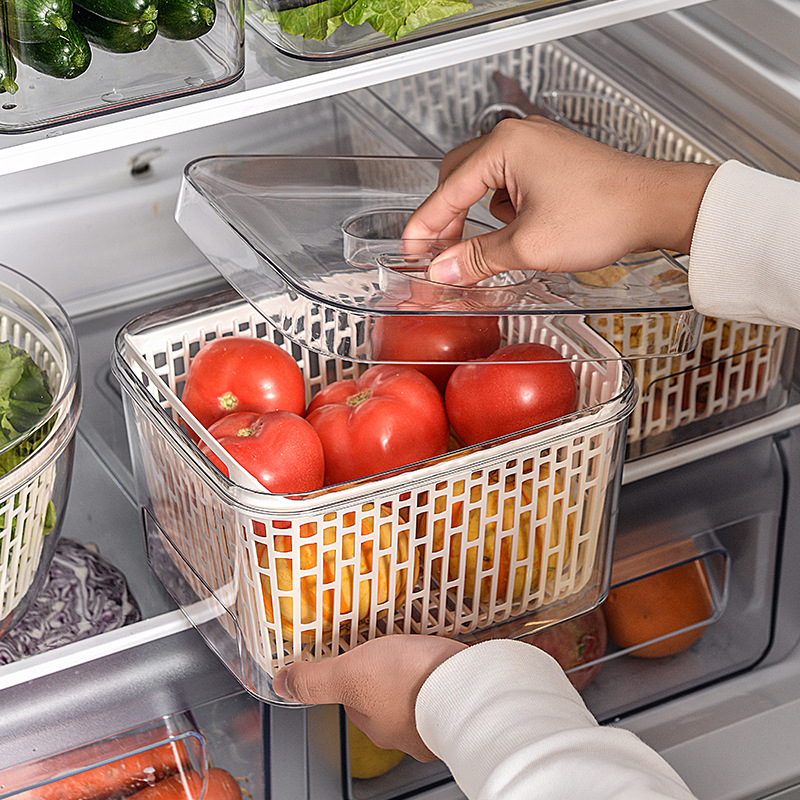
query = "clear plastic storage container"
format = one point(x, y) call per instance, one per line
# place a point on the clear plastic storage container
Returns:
point(167, 751)
point(496, 539)
point(311, 238)
point(737, 371)
point(35, 463)
point(61, 61)
point(324, 31)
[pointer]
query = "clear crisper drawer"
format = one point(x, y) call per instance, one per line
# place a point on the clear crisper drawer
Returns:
point(690, 602)
point(471, 543)
point(737, 371)
point(169, 752)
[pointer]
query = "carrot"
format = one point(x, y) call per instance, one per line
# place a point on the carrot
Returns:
point(220, 785)
point(117, 779)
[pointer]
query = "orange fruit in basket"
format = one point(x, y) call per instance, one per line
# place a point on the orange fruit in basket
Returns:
point(497, 555)
point(338, 580)
point(657, 605)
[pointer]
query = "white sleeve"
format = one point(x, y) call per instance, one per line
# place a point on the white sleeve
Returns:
point(508, 723)
point(744, 262)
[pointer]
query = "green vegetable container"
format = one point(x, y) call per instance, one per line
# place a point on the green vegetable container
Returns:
point(40, 401)
point(62, 61)
point(334, 29)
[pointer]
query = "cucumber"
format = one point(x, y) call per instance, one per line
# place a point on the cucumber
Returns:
point(116, 37)
point(121, 10)
point(185, 19)
point(37, 20)
point(8, 69)
point(66, 56)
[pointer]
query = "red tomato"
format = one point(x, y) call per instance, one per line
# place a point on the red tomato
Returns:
point(279, 449)
point(389, 417)
point(446, 339)
point(239, 373)
point(498, 396)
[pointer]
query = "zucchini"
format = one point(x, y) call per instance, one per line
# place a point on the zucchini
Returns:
point(116, 37)
point(121, 10)
point(66, 56)
point(185, 19)
point(37, 20)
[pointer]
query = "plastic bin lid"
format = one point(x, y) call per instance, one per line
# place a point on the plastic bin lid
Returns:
point(307, 239)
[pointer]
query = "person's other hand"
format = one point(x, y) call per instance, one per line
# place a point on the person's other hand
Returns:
point(377, 683)
point(569, 203)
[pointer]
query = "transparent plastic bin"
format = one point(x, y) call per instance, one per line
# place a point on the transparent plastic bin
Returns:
point(735, 372)
point(319, 31)
point(76, 63)
point(170, 748)
point(305, 236)
point(33, 495)
point(396, 553)
point(738, 371)
point(699, 565)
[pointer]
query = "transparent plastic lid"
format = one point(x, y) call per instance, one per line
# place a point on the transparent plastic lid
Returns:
point(304, 238)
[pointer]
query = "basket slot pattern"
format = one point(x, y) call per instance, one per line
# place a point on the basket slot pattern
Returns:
point(22, 532)
point(482, 538)
point(735, 363)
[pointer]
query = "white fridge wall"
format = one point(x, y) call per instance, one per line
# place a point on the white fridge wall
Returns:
point(99, 231)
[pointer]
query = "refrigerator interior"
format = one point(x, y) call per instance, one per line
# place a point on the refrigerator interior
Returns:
point(742, 504)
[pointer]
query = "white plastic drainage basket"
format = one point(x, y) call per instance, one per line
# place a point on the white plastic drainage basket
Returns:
point(33, 495)
point(270, 579)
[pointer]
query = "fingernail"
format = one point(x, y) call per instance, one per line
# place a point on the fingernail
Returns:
point(445, 271)
point(280, 685)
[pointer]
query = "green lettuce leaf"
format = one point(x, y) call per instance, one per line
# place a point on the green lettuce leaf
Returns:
point(314, 22)
point(25, 397)
point(398, 18)
point(394, 18)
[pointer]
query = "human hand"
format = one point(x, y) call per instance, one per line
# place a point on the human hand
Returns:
point(377, 683)
point(569, 203)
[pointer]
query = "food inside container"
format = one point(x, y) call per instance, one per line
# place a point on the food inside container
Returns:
point(40, 403)
point(62, 60)
point(735, 365)
point(513, 531)
point(164, 758)
point(660, 604)
point(83, 595)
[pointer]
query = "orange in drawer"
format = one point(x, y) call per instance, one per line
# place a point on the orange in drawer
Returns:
point(657, 605)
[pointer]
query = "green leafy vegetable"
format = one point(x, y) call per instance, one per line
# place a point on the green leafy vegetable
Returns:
point(25, 399)
point(314, 22)
point(394, 18)
point(398, 18)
